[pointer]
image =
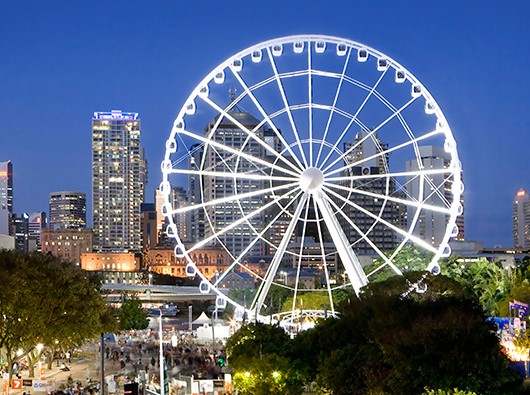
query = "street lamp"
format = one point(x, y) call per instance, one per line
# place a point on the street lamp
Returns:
point(161, 339)
point(150, 279)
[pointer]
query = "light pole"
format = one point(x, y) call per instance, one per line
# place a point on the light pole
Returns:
point(161, 357)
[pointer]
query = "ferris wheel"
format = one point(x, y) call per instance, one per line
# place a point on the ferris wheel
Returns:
point(308, 163)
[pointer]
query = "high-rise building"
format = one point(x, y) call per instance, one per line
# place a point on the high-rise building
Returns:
point(119, 175)
point(67, 210)
point(437, 191)
point(179, 199)
point(195, 217)
point(219, 216)
point(160, 218)
point(363, 155)
point(149, 226)
point(36, 223)
point(521, 220)
point(6, 198)
point(21, 225)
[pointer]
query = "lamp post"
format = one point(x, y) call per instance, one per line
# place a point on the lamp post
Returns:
point(161, 339)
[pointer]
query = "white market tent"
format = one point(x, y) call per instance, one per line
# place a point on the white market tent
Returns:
point(203, 319)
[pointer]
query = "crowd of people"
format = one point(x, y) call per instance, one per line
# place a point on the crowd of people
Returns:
point(139, 351)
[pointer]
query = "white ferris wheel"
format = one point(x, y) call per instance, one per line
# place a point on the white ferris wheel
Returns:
point(303, 158)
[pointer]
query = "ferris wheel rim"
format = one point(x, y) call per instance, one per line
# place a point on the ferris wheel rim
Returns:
point(338, 41)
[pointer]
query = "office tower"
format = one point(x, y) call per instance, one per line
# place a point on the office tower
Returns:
point(67, 210)
point(521, 220)
point(21, 225)
point(363, 154)
point(119, 175)
point(149, 226)
point(36, 223)
point(195, 217)
point(179, 199)
point(431, 225)
point(160, 219)
point(219, 216)
point(6, 198)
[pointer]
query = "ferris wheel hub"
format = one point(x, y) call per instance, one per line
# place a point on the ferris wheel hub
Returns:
point(311, 179)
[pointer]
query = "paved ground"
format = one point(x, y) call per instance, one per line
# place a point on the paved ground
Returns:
point(83, 367)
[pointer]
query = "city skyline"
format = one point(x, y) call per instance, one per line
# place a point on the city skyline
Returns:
point(66, 61)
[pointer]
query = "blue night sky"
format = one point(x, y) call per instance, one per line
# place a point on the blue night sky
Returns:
point(62, 60)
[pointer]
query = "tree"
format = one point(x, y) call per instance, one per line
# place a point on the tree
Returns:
point(409, 258)
point(132, 315)
point(47, 302)
point(520, 292)
point(258, 355)
point(384, 343)
point(488, 281)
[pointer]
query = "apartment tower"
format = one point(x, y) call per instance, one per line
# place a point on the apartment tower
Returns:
point(119, 175)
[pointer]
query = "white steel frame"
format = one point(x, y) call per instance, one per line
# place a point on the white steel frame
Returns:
point(314, 177)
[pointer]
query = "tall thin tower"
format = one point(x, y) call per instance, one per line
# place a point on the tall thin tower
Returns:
point(119, 175)
point(521, 220)
point(6, 198)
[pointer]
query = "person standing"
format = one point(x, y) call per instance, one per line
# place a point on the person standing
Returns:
point(68, 357)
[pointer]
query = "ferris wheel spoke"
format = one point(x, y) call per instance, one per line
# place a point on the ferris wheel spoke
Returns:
point(237, 261)
point(310, 101)
point(232, 175)
point(250, 133)
point(238, 222)
point(354, 117)
point(406, 202)
point(365, 237)
point(372, 132)
point(337, 93)
point(300, 255)
point(405, 240)
point(231, 198)
point(349, 259)
point(324, 262)
point(286, 106)
point(383, 153)
point(250, 158)
point(267, 120)
point(278, 255)
point(412, 173)
point(383, 221)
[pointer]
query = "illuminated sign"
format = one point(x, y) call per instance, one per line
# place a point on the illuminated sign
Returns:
point(116, 115)
point(3, 173)
point(520, 193)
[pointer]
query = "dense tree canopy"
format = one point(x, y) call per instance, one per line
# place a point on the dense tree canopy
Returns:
point(258, 354)
point(45, 301)
point(488, 281)
point(383, 343)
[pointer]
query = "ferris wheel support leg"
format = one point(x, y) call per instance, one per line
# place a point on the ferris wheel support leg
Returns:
point(280, 252)
point(350, 261)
